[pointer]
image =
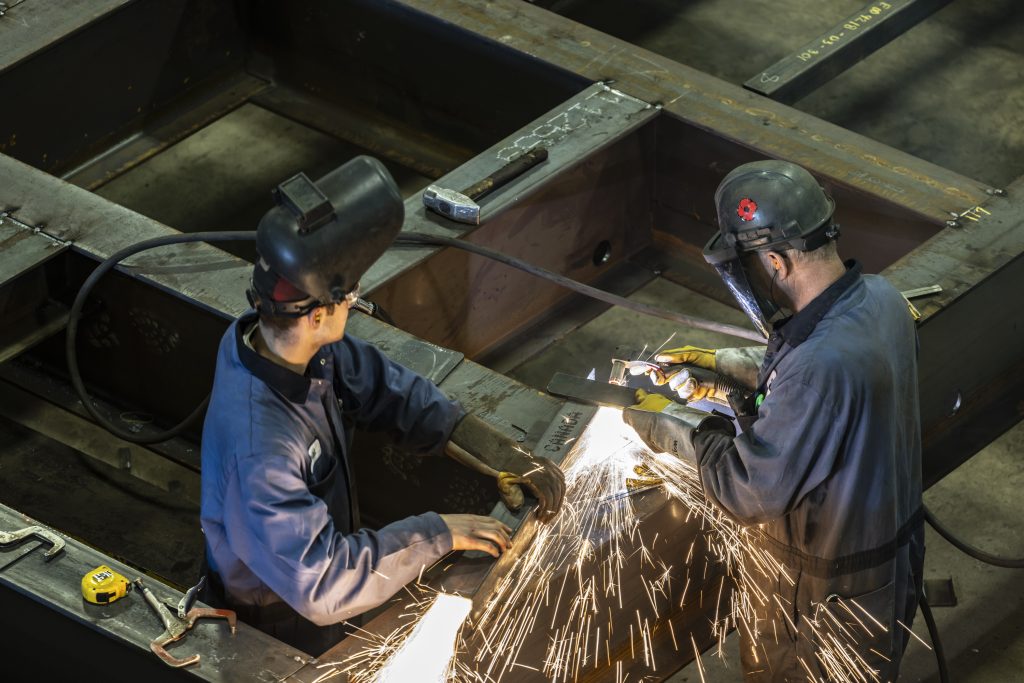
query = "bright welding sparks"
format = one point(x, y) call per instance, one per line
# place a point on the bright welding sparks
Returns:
point(573, 564)
point(569, 583)
point(422, 649)
point(838, 649)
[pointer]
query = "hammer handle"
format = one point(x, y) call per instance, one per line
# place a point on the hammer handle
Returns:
point(506, 173)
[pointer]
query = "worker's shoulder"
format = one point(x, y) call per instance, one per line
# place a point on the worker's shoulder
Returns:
point(357, 355)
point(879, 288)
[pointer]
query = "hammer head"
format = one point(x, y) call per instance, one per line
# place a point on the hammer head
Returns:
point(451, 204)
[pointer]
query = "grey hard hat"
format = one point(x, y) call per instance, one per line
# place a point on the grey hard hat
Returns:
point(766, 205)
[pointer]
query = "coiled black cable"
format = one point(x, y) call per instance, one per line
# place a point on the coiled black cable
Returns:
point(76, 313)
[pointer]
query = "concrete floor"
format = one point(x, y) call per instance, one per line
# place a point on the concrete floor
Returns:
point(950, 90)
point(220, 178)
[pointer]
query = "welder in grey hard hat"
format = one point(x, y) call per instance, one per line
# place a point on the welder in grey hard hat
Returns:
point(827, 466)
point(284, 547)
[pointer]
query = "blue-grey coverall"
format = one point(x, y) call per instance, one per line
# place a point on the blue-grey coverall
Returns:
point(283, 542)
point(829, 466)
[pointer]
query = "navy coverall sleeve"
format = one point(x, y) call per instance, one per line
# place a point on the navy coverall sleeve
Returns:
point(383, 395)
point(285, 535)
point(790, 449)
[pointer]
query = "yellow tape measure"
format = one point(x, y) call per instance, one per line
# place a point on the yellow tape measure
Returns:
point(103, 585)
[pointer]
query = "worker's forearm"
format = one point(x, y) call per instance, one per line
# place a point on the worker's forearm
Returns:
point(740, 364)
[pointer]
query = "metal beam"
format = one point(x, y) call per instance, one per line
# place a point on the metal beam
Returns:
point(854, 38)
point(92, 440)
point(130, 624)
point(710, 104)
point(29, 27)
point(964, 232)
point(22, 248)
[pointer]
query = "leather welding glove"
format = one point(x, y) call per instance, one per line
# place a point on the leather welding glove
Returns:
point(661, 371)
point(479, 445)
point(669, 427)
point(689, 355)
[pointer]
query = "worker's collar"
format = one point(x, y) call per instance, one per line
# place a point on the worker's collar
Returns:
point(291, 385)
point(795, 329)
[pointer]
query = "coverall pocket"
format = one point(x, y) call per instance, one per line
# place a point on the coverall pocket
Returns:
point(858, 629)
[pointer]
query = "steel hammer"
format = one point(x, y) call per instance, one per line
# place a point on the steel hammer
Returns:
point(462, 206)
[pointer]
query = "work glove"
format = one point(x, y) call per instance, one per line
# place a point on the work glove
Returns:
point(689, 355)
point(478, 445)
point(669, 427)
point(739, 365)
point(666, 369)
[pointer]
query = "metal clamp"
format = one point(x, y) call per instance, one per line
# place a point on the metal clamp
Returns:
point(175, 628)
point(56, 542)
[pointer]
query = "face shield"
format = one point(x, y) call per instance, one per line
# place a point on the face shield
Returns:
point(737, 272)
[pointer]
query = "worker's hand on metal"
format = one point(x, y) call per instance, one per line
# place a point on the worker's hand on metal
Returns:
point(479, 445)
point(545, 481)
point(477, 532)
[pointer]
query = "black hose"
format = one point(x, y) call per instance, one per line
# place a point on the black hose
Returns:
point(976, 553)
point(933, 633)
point(76, 312)
point(408, 238)
point(417, 238)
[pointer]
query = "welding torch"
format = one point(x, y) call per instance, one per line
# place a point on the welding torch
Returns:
point(689, 382)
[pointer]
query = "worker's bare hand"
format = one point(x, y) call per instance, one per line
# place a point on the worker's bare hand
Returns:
point(477, 532)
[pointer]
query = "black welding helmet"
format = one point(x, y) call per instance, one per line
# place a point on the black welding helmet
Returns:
point(766, 205)
point(320, 238)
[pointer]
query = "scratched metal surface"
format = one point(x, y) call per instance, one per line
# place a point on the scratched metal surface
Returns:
point(852, 39)
point(29, 26)
point(130, 622)
point(21, 250)
point(572, 131)
point(771, 128)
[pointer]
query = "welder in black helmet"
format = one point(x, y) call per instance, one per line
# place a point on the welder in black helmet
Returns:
point(827, 466)
point(284, 546)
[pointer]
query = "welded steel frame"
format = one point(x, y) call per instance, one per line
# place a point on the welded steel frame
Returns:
point(977, 232)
